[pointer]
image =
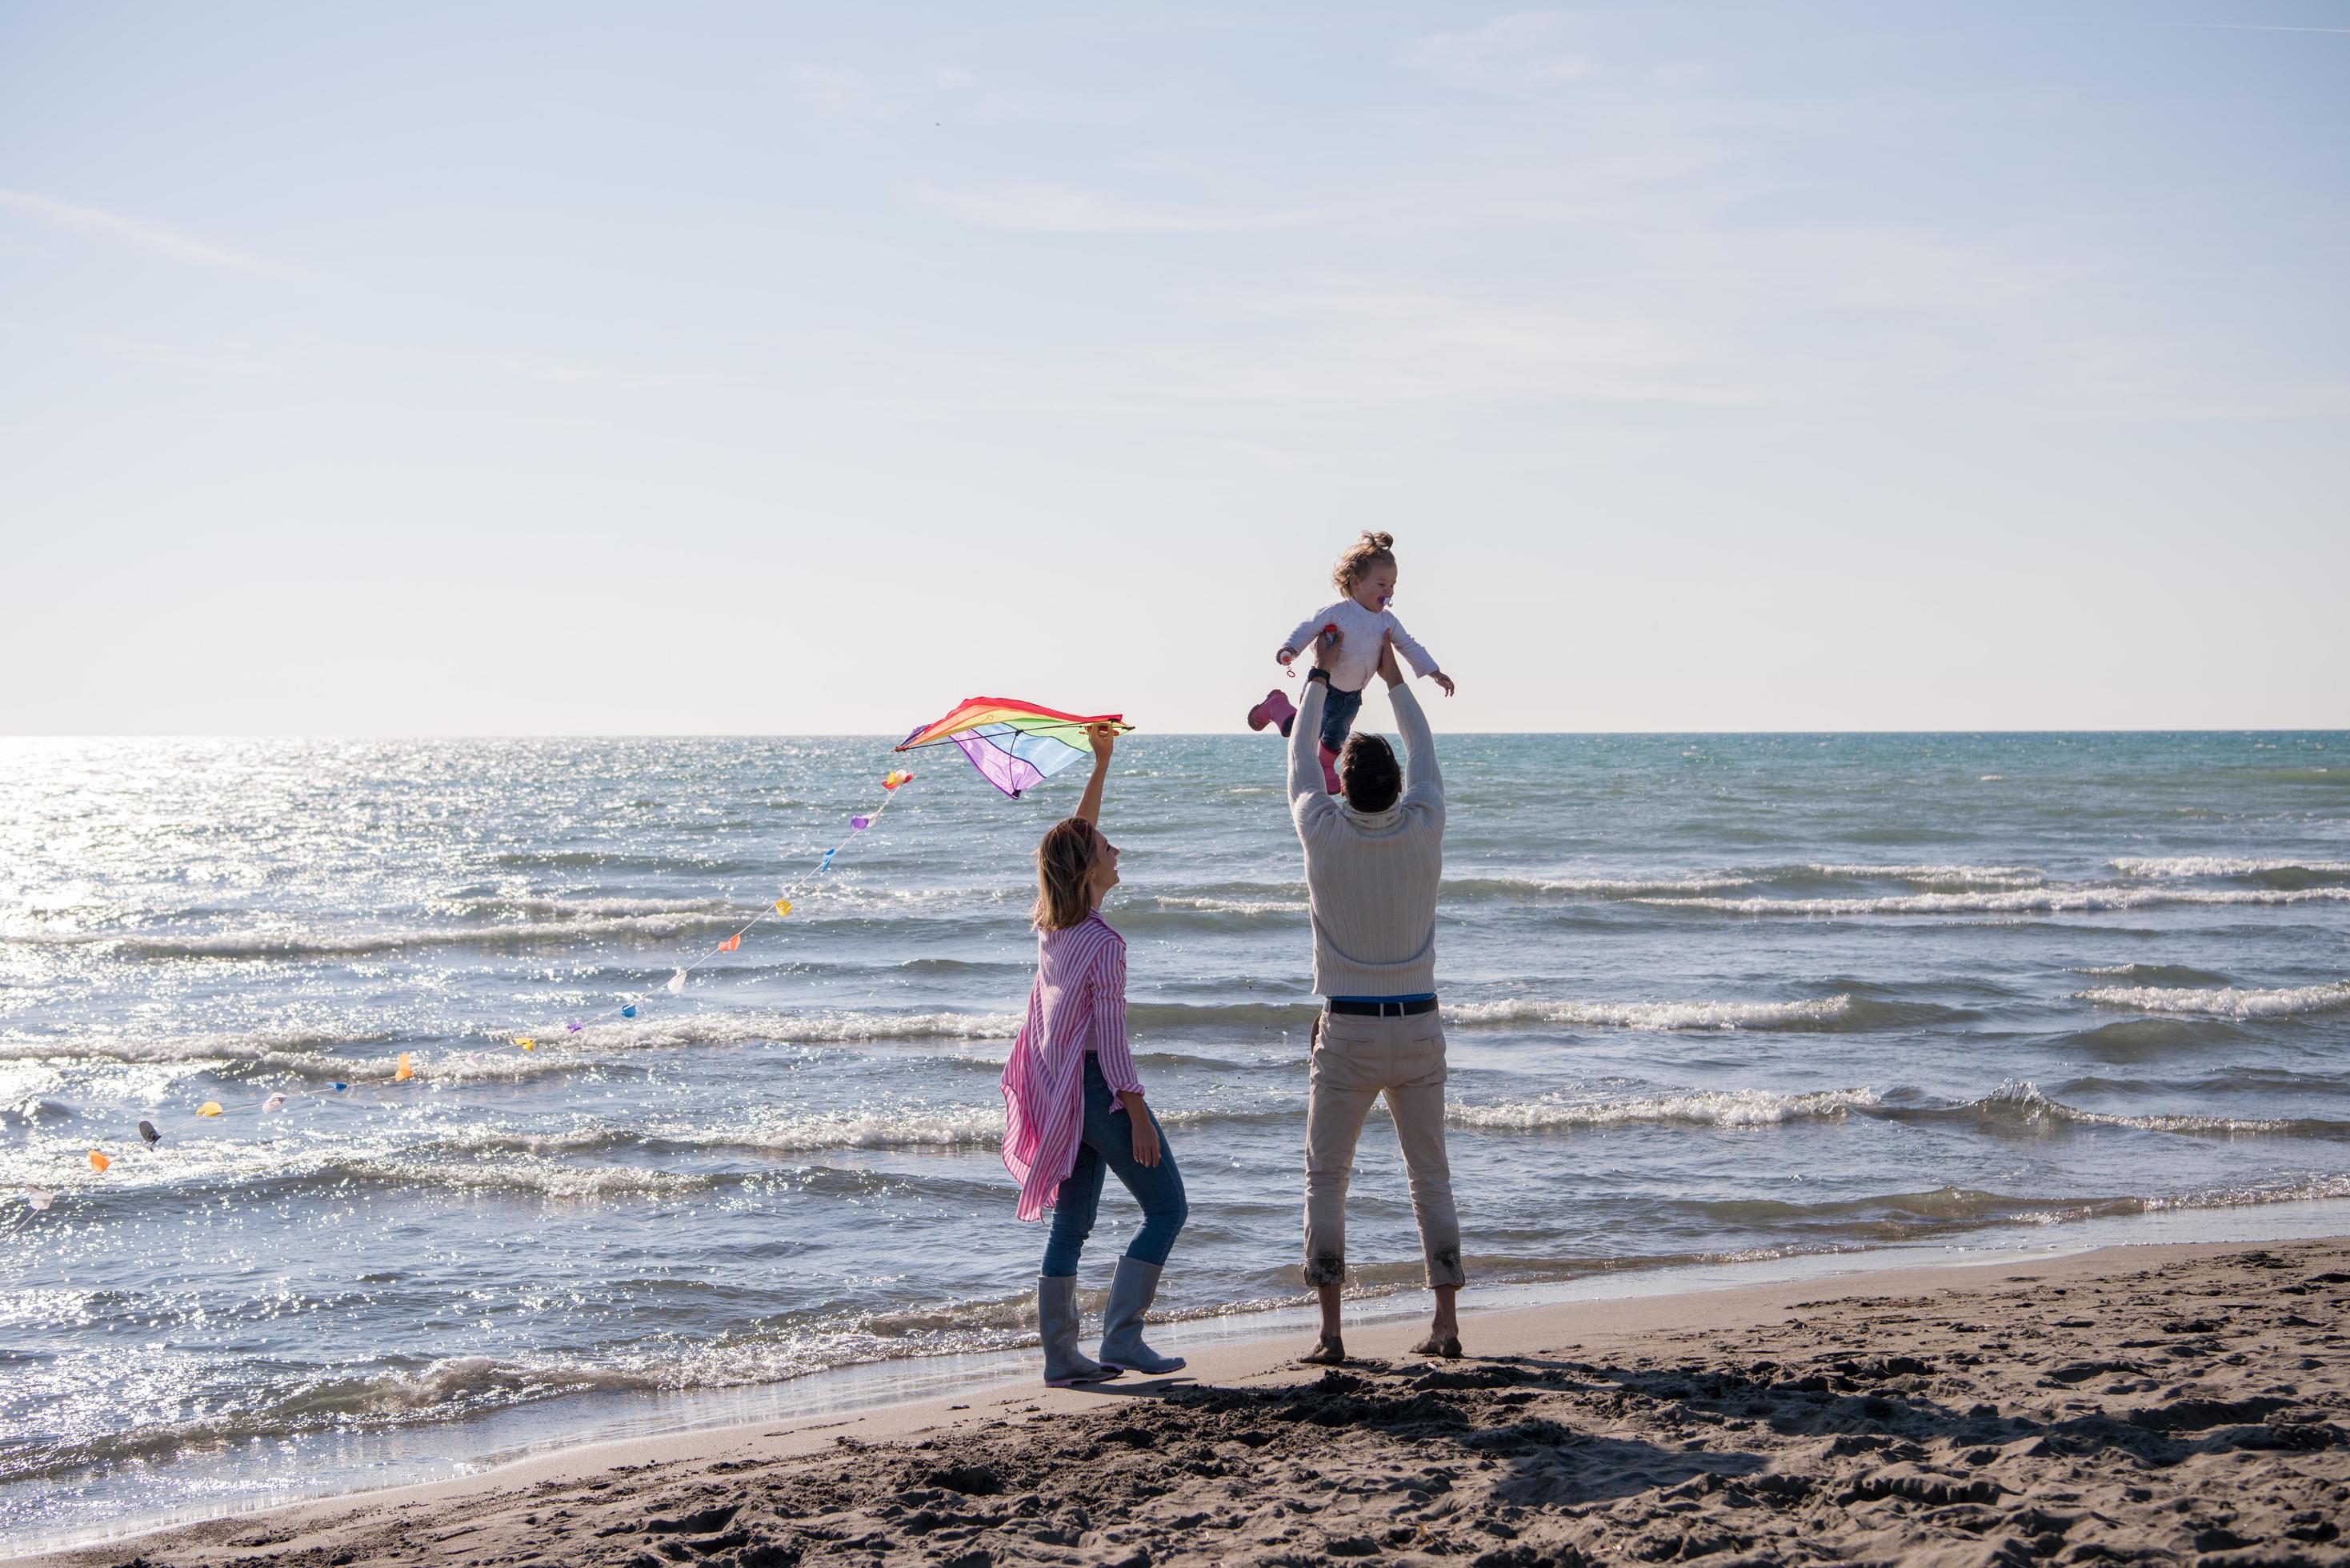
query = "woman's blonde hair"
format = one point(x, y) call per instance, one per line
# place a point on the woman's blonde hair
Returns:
point(1065, 867)
point(1371, 550)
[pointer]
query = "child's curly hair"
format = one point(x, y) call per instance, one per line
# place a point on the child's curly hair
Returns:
point(1371, 550)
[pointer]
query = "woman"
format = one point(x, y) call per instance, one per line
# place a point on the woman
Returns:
point(1074, 1107)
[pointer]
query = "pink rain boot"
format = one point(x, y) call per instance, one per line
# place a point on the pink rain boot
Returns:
point(1330, 769)
point(1277, 708)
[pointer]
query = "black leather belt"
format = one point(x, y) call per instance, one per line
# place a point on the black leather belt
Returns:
point(1382, 1009)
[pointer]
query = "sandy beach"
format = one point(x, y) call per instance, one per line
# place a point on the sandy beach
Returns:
point(2130, 1404)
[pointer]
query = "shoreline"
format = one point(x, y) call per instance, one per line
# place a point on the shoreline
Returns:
point(989, 1413)
point(475, 1448)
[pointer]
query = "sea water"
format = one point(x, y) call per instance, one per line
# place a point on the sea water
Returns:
point(1709, 999)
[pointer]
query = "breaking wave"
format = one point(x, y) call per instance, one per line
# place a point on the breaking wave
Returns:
point(2019, 1103)
point(2224, 866)
point(1965, 875)
point(2016, 1104)
point(289, 1049)
point(324, 1055)
point(1816, 1013)
point(574, 911)
point(1637, 887)
point(364, 944)
point(1718, 1108)
point(957, 1127)
point(1226, 906)
point(948, 1126)
point(751, 1027)
point(540, 1178)
point(2022, 901)
point(2155, 973)
point(1604, 886)
point(2226, 1001)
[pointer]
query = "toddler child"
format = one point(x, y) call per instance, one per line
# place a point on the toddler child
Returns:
point(1366, 574)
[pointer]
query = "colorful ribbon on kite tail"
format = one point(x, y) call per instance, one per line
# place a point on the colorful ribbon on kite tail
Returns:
point(404, 1067)
point(782, 907)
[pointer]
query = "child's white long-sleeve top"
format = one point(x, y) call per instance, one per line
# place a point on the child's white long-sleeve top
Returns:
point(1356, 658)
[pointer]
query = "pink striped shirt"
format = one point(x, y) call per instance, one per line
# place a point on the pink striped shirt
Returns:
point(1077, 1009)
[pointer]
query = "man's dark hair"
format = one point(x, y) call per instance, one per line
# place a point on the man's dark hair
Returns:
point(1369, 773)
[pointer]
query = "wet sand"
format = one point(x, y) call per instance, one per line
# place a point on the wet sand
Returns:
point(2161, 1404)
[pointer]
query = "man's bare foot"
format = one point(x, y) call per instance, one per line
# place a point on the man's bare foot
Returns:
point(1447, 1345)
point(1328, 1351)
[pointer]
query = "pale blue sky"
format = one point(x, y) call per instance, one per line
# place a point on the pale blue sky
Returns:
point(585, 368)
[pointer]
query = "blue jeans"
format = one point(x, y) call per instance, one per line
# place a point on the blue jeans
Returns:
point(1338, 711)
point(1107, 1138)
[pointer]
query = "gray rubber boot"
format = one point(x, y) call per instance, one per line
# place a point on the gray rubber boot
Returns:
point(1129, 1298)
point(1056, 1319)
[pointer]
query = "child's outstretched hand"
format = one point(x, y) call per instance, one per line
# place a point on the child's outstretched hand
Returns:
point(1101, 737)
point(1284, 656)
point(1441, 680)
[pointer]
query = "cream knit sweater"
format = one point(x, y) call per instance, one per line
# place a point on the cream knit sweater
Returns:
point(1370, 876)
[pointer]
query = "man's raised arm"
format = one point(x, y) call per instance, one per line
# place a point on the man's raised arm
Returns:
point(1422, 779)
point(1308, 796)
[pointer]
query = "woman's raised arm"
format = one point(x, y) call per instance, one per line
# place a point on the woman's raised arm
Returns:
point(1102, 736)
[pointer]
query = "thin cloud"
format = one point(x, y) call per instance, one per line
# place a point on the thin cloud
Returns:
point(159, 239)
point(600, 376)
point(1037, 206)
point(1516, 56)
point(163, 356)
point(1362, 347)
point(1338, 347)
point(2256, 28)
point(842, 92)
point(847, 94)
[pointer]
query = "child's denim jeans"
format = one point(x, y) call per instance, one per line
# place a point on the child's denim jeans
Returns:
point(1338, 711)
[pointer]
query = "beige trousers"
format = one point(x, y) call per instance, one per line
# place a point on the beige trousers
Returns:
point(1357, 1059)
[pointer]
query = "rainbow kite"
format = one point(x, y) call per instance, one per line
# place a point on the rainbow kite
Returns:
point(1014, 745)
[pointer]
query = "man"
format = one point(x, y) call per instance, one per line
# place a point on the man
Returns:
point(1372, 860)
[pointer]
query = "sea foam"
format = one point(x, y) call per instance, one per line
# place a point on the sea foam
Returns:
point(2224, 1001)
point(1995, 876)
point(2020, 1101)
point(1657, 1015)
point(2024, 901)
point(2222, 865)
point(1702, 1108)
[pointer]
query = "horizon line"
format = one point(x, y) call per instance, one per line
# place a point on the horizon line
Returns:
point(2343, 730)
